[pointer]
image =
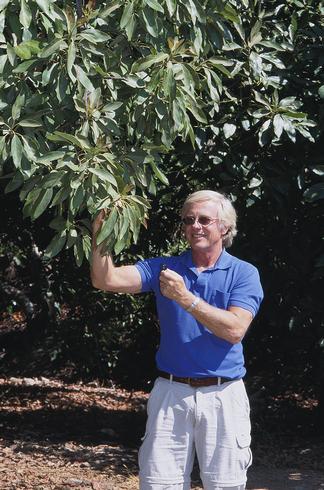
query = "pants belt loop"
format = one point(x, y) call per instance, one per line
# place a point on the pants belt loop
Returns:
point(171, 378)
point(219, 379)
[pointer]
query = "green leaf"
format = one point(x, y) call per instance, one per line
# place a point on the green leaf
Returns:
point(58, 223)
point(196, 11)
point(229, 130)
point(23, 67)
point(67, 138)
point(52, 48)
point(315, 192)
point(230, 13)
point(2, 144)
point(318, 170)
point(264, 135)
point(130, 28)
point(3, 4)
point(150, 20)
point(108, 226)
point(255, 36)
point(70, 60)
point(119, 246)
point(72, 238)
point(17, 106)
point(321, 91)
point(152, 59)
point(15, 183)
point(155, 5)
point(86, 244)
point(289, 128)
point(44, 5)
point(198, 39)
point(124, 225)
point(16, 150)
point(134, 221)
point(197, 112)
point(169, 85)
point(52, 179)
point(78, 252)
point(83, 78)
point(104, 175)
point(25, 16)
point(60, 196)
point(11, 54)
point(112, 106)
point(55, 246)
point(127, 15)
point(77, 199)
point(41, 203)
point(30, 123)
point(278, 125)
point(51, 156)
point(110, 9)
point(188, 79)
point(160, 175)
point(171, 6)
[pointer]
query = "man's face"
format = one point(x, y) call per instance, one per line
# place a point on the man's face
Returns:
point(199, 236)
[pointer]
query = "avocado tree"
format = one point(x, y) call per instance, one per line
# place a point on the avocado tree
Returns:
point(94, 96)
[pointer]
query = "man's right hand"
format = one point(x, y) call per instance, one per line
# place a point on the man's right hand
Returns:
point(98, 222)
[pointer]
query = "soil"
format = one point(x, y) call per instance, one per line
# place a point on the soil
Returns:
point(56, 435)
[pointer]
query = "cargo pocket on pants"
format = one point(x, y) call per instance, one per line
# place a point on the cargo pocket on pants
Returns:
point(244, 456)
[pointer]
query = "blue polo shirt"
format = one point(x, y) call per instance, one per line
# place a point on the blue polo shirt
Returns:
point(187, 348)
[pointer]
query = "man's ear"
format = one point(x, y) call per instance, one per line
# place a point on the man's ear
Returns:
point(223, 229)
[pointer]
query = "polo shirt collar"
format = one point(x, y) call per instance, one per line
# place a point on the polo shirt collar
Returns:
point(223, 261)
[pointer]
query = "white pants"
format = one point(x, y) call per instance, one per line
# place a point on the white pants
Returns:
point(213, 420)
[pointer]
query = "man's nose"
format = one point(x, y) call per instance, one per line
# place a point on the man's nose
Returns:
point(196, 224)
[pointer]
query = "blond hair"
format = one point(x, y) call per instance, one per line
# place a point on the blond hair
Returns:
point(226, 212)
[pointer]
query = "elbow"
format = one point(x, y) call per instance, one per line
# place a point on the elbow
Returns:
point(97, 283)
point(235, 339)
point(236, 335)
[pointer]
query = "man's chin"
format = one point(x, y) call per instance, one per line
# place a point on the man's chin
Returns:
point(199, 245)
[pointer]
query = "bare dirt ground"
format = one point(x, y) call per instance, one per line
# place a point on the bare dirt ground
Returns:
point(56, 435)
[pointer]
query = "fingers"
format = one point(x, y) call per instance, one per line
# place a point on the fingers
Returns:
point(98, 221)
point(170, 283)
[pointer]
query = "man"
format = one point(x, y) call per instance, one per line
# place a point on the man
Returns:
point(206, 300)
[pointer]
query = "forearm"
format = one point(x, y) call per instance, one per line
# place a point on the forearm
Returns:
point(101, 268)
point(222, 323)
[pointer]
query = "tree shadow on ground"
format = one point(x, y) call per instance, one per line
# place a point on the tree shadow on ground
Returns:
point(99, 426)
point(89, 426)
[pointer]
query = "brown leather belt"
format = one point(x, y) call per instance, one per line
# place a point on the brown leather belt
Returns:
point(196, 382)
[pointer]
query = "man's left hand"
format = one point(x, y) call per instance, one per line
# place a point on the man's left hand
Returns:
point(172, 285)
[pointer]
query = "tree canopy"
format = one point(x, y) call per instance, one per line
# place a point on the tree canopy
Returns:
point(94, 101)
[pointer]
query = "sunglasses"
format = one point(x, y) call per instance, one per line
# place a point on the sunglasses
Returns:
point(202, 220)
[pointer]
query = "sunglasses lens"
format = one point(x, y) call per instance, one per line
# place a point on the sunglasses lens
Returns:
point(188, 220)
point(203, 220)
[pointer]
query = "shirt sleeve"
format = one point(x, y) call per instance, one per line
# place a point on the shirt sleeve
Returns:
point(247, 292)
point(147, 274)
